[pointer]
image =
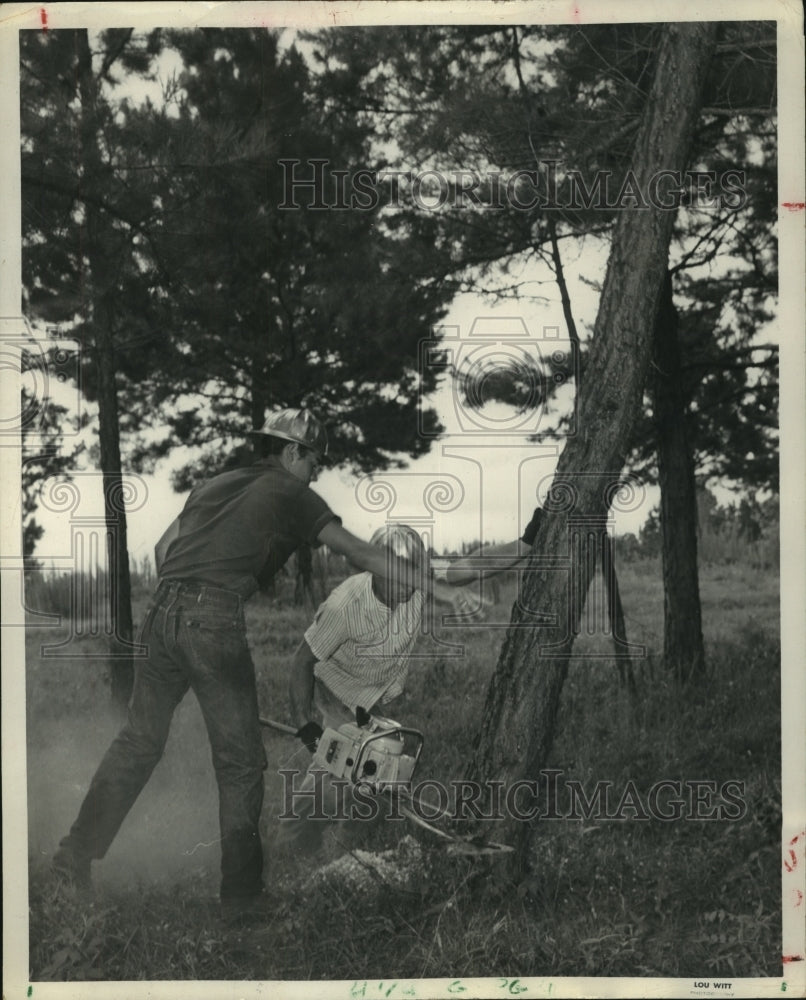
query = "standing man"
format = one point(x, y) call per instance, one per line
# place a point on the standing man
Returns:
point(234, 527)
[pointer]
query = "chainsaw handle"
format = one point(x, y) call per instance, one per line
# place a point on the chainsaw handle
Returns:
point(281, 727)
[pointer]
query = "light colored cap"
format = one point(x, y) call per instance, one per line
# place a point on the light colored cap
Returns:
point(300, 426)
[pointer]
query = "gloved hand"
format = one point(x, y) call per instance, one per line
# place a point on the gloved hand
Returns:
point(531, 529)
point(309, 734)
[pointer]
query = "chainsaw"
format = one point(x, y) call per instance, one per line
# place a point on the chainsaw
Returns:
point(378, 754)
point(381, 755)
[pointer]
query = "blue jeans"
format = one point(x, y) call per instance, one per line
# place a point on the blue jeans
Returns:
point(196, 637)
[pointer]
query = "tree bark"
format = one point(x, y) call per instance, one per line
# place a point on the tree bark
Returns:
point(683, 651)
point(615, 609)
point(303, 587)
point(258, 402)
point(98, 294)
point(517, 727)
point(615, 614)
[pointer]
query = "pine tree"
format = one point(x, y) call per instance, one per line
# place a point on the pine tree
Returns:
point(79, 260)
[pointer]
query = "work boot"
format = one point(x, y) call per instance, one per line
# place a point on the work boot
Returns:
point(72, 868)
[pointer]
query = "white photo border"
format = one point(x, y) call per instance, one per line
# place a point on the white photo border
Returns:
point(306, 15)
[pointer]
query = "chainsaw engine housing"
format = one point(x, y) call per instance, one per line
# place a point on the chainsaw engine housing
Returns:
point(378, 754)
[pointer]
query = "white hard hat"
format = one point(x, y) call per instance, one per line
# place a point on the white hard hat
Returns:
point(300, 426)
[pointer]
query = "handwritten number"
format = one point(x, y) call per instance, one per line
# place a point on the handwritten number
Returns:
point(514, 986)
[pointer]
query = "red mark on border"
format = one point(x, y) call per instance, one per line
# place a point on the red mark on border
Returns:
point(793, 206)
point(792, 958)
point(43, 17)
point(791, 861)
point(576, 17)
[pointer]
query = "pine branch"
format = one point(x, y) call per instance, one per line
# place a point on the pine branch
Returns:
point(114, 54)
point(732, 112)
point(768, 364)
point(742, 48)
point(684, 261)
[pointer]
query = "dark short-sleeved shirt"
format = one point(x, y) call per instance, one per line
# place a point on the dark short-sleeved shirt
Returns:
point(244, 524)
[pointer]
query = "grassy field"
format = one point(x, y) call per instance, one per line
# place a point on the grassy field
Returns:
point(609, 898)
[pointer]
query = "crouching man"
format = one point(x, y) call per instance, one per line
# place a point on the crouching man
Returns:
point(354, 659)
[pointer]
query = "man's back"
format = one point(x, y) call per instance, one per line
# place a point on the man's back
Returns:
point(243, 523)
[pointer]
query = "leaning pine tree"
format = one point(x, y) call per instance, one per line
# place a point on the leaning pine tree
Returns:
point(522, 700)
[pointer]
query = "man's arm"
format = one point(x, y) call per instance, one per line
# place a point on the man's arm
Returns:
point(495, 558)
point(372, 558)
point(161, 548)
point(300, 685)
point(487, 562)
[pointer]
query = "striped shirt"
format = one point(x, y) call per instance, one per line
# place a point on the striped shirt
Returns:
point(362, 646)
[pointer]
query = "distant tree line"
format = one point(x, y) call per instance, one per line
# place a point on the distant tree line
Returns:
point(744, 531)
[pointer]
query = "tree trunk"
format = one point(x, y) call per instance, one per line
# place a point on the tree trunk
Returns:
point(683, 650)
point(303, 587)
point(99, 292)
point(517, 727)
point(615, 609)
point(120, 595)
point(615, 614)
point(259, 402)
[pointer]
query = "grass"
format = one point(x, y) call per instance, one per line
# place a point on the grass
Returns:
point(607, 898)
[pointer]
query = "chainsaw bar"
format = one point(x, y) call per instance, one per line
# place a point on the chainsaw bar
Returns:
point(455, 845)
